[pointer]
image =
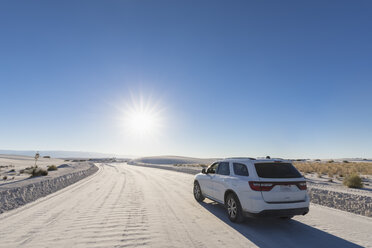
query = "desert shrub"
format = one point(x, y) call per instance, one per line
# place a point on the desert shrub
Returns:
point(331, 161)
point(12, 170)
point(353, 181)
point(345, 161)
point(5, 177)
point(52, 168)
point(36, 172)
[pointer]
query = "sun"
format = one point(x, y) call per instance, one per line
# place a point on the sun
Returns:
point(142, 117)
point(142, 122)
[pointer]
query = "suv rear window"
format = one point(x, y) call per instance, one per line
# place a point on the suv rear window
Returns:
point(277, 170)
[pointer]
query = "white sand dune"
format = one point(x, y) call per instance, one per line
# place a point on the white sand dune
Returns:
point(129, 206)
point(173, 160)
point(18, 161)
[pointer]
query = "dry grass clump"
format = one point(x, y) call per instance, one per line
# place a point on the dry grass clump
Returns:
point(353, 181)
point(335, 168)
point(36, 172)
point(52, 168)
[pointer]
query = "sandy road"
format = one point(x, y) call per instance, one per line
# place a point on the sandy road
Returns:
point(128, 206)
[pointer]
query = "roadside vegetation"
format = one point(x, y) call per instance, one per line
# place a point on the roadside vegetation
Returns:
point(33, 171)
point(348, 172)
point(36, 172)
point(340, 169)
point(353, 181)
point(52, 168)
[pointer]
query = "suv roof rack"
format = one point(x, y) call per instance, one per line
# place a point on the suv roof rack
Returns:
point(241, 158)
point(268, 157)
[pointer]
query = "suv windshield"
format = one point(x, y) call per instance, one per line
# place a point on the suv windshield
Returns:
point(276, 170)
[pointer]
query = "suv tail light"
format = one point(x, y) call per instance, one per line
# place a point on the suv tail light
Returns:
point(302, 185)
point(261, 186)
point(267, 186)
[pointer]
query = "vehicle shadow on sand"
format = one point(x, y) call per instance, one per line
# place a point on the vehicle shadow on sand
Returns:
point(271, 232)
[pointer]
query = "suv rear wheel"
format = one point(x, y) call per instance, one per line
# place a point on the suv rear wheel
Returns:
point(234, 210)
point(197, 192)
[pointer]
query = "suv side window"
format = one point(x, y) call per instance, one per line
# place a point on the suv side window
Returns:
point(212, 169)
point(240, 169)
point(224, 169)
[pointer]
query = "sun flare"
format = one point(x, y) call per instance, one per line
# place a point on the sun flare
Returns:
point(142, 122)
point(142, 118)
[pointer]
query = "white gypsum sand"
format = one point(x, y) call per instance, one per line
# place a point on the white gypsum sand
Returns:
point(20, 188)
point(129, 206)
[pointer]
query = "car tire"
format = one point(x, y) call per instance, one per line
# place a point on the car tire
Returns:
point(234, 209)
point(198, 195)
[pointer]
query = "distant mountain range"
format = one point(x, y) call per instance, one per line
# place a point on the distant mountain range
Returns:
point(62, 154)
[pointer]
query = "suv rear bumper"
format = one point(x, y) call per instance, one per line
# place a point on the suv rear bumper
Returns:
point(278, 213)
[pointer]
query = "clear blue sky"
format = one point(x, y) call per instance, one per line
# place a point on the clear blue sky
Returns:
point(283, 78)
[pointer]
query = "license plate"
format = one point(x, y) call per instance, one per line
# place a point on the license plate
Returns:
point(285, 188)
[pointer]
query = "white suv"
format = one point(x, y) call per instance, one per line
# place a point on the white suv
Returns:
point(251, 188)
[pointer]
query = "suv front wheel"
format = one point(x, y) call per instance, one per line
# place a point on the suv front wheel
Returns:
point(197, 192)
point(234, 210)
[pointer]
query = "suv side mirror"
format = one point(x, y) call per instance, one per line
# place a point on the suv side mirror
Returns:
point(203, 171)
